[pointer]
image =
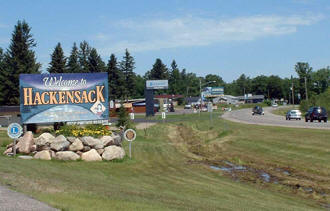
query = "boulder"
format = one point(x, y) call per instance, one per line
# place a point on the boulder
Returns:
point(25, 143)
point(44, 139)
point(113, 152)
point(43, 155)
point(117, 139)
point(91, 155)
point(43, 147)
point(107, 140)
point(99, 146)
point(90, 141)
point(79, 153)
point(100, 151)
point(86, 149)
point(52, 154)
point(9, 150)
point(76, 145)
point(71, 139)
point(34, 148)
point(10, 145)
point(25, 157)
point(60, 143)
point(67, 155)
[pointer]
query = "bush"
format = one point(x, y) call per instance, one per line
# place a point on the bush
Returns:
point(96, 130)
point(180, 101)
point(322, 100)
point(268, 102)
point(123, 119)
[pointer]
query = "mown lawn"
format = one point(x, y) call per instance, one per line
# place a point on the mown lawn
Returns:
point(169, 170)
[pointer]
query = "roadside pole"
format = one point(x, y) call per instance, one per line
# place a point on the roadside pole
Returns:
point(14, 131)
point(130, 136)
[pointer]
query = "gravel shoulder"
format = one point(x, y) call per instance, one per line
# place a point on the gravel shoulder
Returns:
point(245, 116)
point(11, 200)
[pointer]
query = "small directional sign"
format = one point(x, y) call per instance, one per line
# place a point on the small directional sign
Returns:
point(14, 130)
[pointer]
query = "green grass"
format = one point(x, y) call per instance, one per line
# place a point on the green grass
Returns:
point(169, 170)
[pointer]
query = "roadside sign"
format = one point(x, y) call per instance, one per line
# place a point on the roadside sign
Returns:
point(130, 135)
point(14, 130)
point(131, 115)
point(157, 84)
point(163, 115)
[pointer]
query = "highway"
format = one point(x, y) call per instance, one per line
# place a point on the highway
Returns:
point(245, 116)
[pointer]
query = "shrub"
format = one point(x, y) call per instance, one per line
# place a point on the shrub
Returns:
point(96, 130)
point(123, 119)
point(322, 100)
point(268, 102)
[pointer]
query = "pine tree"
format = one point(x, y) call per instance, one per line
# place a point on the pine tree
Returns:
point(159, 71)
point(83, 55)
point(2, 74)
point(95, 63)
point(174, 79)
point(19, 58)
point(115, 78)
point(73, 62)
point(58, 60)
point(127, 67)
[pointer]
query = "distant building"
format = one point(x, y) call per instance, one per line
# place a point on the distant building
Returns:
point(192, 100)
point(228, 99)
point(249, 98)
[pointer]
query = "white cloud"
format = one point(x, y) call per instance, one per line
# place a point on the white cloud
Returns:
point(190, 31)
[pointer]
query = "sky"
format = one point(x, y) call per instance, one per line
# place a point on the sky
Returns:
point(226, 38)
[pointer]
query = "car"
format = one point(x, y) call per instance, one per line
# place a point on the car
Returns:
point(187, 106)
point(316, 113)
point(293, 114)
point(274, 105)
point(258, 110)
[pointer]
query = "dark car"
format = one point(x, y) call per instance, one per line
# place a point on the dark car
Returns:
point(258, 110)
point(316, 113)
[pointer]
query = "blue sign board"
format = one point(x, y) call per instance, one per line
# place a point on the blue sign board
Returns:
point(66, 97)
point(157, 84)
point(14, 130)
point(213, 92)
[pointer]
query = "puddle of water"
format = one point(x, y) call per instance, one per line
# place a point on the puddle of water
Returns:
point(265, 177)
point(215, 167)
point(309, 190)
point(286, 173)
point(221, 168)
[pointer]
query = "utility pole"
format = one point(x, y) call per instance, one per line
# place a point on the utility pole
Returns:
point(200, 95)
point(292, 90)
point(306, 88)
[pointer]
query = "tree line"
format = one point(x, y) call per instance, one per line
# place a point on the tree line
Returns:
point(124, 83)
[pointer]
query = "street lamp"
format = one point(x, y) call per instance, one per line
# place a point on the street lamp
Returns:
point(200, 90)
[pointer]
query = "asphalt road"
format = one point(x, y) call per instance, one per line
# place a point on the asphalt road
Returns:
point(11, 200)
point(245, 116)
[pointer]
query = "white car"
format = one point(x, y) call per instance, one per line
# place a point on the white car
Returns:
point(293, 114)
point(187, 106)
point(274, 105)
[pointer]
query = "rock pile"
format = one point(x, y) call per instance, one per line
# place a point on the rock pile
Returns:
point(87, 148)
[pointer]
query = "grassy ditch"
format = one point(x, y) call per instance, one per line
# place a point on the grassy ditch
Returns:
point(170, 170)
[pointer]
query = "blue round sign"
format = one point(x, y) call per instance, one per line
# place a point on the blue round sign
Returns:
point(14, 130)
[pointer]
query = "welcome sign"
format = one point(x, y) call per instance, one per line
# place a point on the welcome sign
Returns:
point(67, 97)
